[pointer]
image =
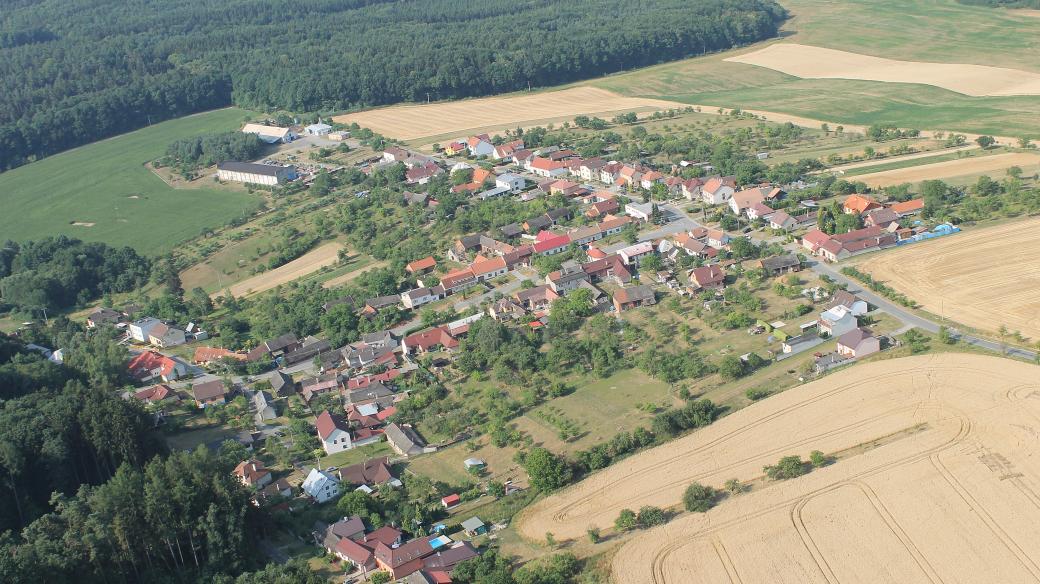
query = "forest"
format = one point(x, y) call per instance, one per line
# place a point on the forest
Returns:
point(66, 81)
point(60, 272)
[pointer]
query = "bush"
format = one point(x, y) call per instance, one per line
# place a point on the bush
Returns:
point(788, 467)
point(626, 520)
point(698, 498)
point(650, 516)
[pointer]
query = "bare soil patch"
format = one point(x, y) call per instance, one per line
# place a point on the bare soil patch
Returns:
point(83, 223)
point(810, 62)
point(312, 261)
point(409, 122)
point(949, 493)
point(950, 168)
point(983, 278)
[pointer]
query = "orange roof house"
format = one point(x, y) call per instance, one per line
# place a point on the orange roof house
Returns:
point(859, 204)
point(420, 266)
point(908, 207)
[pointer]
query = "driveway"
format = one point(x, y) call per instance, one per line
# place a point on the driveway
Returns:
point(519, 278)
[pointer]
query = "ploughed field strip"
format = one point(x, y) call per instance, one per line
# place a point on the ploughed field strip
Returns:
point(935, 481)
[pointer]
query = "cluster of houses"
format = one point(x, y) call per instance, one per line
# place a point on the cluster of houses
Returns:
point(146, 330)
point(882, 229)
point(421, 560)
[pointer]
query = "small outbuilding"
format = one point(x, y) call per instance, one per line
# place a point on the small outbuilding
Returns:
point(474, 527)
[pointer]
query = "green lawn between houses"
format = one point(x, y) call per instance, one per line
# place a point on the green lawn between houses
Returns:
point(106, 184)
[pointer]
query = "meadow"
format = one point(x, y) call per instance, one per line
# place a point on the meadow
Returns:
point(103, 192)
point(935, 31)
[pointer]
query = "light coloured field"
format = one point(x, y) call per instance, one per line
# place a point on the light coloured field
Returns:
point(983, 278)
point(810, 62)
point(312, 261)
point(409, 122)
point(951, 168)
point(936, 481)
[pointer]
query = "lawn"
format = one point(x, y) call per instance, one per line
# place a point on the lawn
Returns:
point(936, 30)
point(107, 185)
point(356, 455)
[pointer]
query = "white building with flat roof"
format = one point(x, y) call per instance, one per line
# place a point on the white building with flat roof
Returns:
point(252, 173)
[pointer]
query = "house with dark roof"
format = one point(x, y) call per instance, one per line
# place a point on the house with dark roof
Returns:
point(405, 559)
point(708, 278)
point(781, 264)
point(374, 471)
point(333, 432)
point(632, 297)
point(282, 384)
point(404, 440)
point(209, 393)
point(264, 405)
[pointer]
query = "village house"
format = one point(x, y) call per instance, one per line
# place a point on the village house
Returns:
point(404, 440)
point(536, 299)
point(163, 335)
point(718, 190)
point(814, 239)
point(907, 208)
point(717, 239)
point(853, 303)
point(455, 148)
point(103, 316)
point(843, 245)
point(568, 278)
point(650, 178)
point(421, 174)
point(511, 182)
point(783, 221)
point(210, 393)
point(458, 280)
point(153, 394)
point(632, 297)
point(547, 168)
point(759, 211)
point(779, 265)
point(741, 201)
point(859, 204)
point(685, 242)
point(320, 485)
point(691, 188)
point(140, 330)
point(836, 321)
point(403, 560)
point(505, 309)
point(486, 269)
point(274, 348)
point(643, 212)
point(372, 472)
point(209, 355)
point(429, 340)
point(612, 225)
point(634, 254)
point(880, 217)
point(333, 432)
point(590, 170)
point(708, 278)
point(421, 266)
point(601, 208)
point(282, 384)
point(264, 405)
point(585, 235)
point(858, 343)
point(480, 145)
point(610, 172)
point(548, 243)
point(252, 473)
point(418, 296)
point(506, 150)
point(152, 365)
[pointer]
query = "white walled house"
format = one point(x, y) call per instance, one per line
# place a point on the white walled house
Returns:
point(270, 134)
point(510, 181)
point(318, 129)
point(141, 330)
point(320, 486)
point(333, 432)
point(717, 191)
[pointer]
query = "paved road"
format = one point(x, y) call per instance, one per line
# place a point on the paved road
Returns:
point(911, 319)
point(678, 222)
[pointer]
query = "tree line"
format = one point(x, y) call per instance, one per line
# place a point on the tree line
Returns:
point(96, 69)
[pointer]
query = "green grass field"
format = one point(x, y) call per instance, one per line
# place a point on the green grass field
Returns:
point(106, 184)
point(897, 164)
point(923, 30)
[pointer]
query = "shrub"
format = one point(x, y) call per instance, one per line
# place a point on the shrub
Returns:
point(698, 498)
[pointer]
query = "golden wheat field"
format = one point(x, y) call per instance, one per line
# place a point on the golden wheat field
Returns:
point(936, 479)
point(994, 164)
point(983, 278)
point(810, 62)
point(409, 122)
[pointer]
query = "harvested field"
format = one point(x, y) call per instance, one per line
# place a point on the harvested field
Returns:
point(983, 278)
point(951, 168)
point(312, 261)
point(935, 481)
point(408, 122)
point(809, 62)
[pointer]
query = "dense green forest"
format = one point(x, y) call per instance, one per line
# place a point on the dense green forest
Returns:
point(59, 272)
point(76, 72)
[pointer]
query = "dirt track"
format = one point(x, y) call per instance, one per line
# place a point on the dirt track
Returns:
point(810, 62)
point(408, 122)
point(983, 278)
point(312, 261)
point(938, 482)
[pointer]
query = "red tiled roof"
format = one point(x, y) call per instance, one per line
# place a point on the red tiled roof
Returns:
point(144, 363)
point(327, 422)
point(859, 203)
point(354, 551)
point(207, 354)
point(430, 338)
point(420, 265)
point(550, 243)
point(488, 266)
point(154, 393)
point(908, 206)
